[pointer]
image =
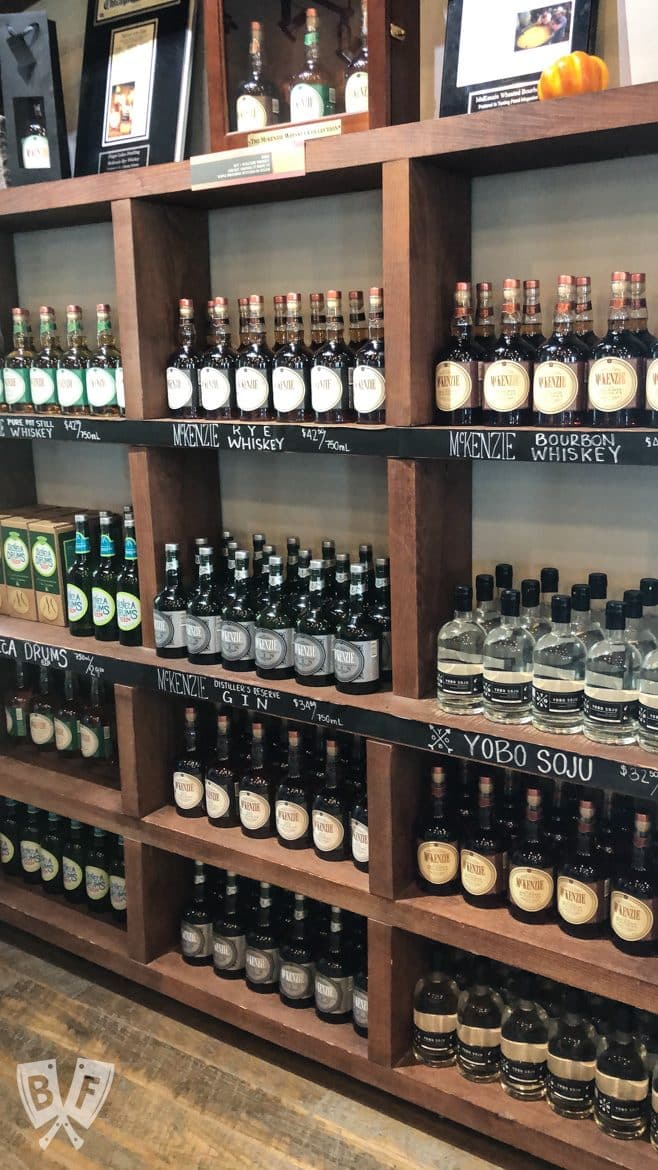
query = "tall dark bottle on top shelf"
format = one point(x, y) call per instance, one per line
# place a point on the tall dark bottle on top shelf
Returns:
point(293, 800)
point(17, 364)
point(221, 782)
point(485, 322)
point(334, 979)
point(196, 923)
point(257, 790)
point(356, 75)
point(105, 385)
point(583, 884)
point(330, 812)
point(508, 370)
point(358, 642)
point(72, 366)
point(189, 794)
point(79, 582)
point(170, 610)
point(297, 972)
point(558, 390)
point(617, 367)
point(484, 854)
point(291, 379)
point(532, 868)
point(634, 901)
point(638, 318)
point(370, 371)
point(183, 367)
point(333, 369)
point(457, 388)
point(253, 380)
point(437, 846)
point(218, 366)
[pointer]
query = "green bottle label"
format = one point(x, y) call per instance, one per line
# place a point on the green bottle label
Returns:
point(17, 556)
point(17, 386)
point(103, 606)
point(77, 603)
point(101, 387)
point(15, 717)
point(129, 611)
point(67, 736)
point(43, 387)
point(130, 549)
point(71, 388)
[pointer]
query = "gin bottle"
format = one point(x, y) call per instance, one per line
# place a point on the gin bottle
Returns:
point(612, 683)
point(459, 658)
point(507, 661)
point(559, 674)
point(581, 618)
point(532, 868)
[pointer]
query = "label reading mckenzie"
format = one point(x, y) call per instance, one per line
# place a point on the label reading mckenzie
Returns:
point(507, 386)
point(356, 662)
point(457, 386)
point(558, 387)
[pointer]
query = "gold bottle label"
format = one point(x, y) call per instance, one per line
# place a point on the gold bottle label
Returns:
point(652, 385)
point(613, 383)
point(557, 387)
point(531, 889)
point(478, 1037)
point(632, 919)
point(620, 1088)
point(188, 790)
point(428, 1022)
point(438, 861)
point(523, 1052)
point(580, 902)
point(483, 875)
point(571, 1070)
point(507, 386)
point(456, 385)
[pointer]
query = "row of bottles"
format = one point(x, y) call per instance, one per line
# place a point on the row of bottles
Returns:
point(546, 855)
point(102, 589)
point(53, 380)
point(326, 622)
point(585, 1055)
point(330, 380)
point(311, 954)
point(568, 379)
point(56, 710)
point(62, 856)
point(299, 789)
point(565, 662)
point(263, 100)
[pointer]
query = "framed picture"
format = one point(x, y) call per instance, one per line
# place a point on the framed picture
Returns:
point(135, 90)
point(496, 50)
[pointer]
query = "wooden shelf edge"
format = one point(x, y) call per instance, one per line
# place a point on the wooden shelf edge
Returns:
point(51, 918)
point(65, 793)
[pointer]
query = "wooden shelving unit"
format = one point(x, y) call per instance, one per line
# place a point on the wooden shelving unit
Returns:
point(160, 229)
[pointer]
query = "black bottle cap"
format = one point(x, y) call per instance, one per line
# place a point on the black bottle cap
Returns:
point(504, 576)
point(649, 590)
point(509, 602)
point(615, 616)
point(530, 593)
point(550, 580)
point(573, 1001)
point(561, 609)
point(633, 603)
point(598, 586)
point(484, 587)
point(580, 597)
point(463, 598)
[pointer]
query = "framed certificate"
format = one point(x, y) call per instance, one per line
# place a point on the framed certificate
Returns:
point(135, 84)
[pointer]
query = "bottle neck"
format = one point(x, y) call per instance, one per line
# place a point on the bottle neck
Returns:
point(257, 753)
point(222, 746)
point(190, 737)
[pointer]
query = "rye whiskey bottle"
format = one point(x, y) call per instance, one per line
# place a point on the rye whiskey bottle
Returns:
point(532, 869)
point(621, 1091)
point(508, 370)
point(558, 683)
point(238, 627)
point(479, 1020)
point(356, 75)
point(104, 586)
point(297, 971)
point(314, 635)
point(560, 376)
point(311, 93)
point(318, 321)
point(196, 923)
point(43, 371)
point(583, 884)
point(183, 367)
point(170, 610)
point(218, 366)
point(333, 369)
point(370, 372)
point(437, 844)
point(189, 796)
point(262, 960)
point(291, 379)
point(459, 668)
point(257, 789)
point(203, 625)
point(484, 854)
point(357, 644)
point(531, 327)
point(634, 901)
point(507, 662)
point(105, 386)
point(616, 371)
point(253, 380)
point(275, 628)
point(221, 782)
point(79, 582)
point(571, 1060)
point(257, 104)
point(457, 383)
point(612, 683)
point(18, 363)
point(334, 977)
point(524, 1045)
point(435, 1015)
point(330, 816)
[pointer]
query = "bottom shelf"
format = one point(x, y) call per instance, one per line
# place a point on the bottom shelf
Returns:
point(528, 1126)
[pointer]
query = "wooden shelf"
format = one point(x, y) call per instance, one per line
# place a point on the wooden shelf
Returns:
point(69, 787)
point(54, 919)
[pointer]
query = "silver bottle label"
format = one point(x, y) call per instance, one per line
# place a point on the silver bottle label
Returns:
point(274, 649)
point(356, 662)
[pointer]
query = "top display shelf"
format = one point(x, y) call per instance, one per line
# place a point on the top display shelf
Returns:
point(616, 124)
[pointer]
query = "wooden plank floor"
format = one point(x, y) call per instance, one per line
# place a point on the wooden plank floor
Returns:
point(194, 1094)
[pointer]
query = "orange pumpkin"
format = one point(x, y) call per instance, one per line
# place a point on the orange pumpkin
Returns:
point(577, 73)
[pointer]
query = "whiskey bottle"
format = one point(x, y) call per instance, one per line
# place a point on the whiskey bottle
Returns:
point(584, 318)
point(532, 868)
point(562, 822)
point(484, 854)
point(229, 943)
point(67, 726)
point(189, 794)
point(615, 387)
point(370, 371)
point(380, 609)
point(97, 874)
point(359, 831)
point(293, 801)
point(10, 847)
point(257, 104)
point(621, 1090)
point(437, 843)
point(17, 704)
point(104, 586)
point(183, 367)
point(559, 384)
point(508, 369)
point(360, 986)
point(221, 782)
point(612, 683)
point(479, 1019)
point(279, 305)
point(358, 323)
point(524, 1045)
point(291, 379)
point(581, 618)
point(30, 847)
point(311, 93)
point(297, 971)
point(314, 635)
point(97, 736)
point(196, 923)
point(203, 624)
point(257, 789)
point(531, 609)
point(330, 815)
point(357, 644)
point(634, 901)
point(253, 380)
point(509, 810)
point(243, 323)
point(238, 628)
point(459, 668)
point(485, 327)
point(129, 606)
point(218, 366)
point(487, 611)
point(463, 799)
point(507, 661)
point(170, 610)
point(435, 1014)
point(118, 903)
point(598, 592)
point(583, 884)
point(531, 327)
point(73, 861)
point(18, 363)
point(334, 977)
point(558, 684)
point(43, 370)
point(50, 856)
point(356, 75)
point(333, 369)
point(639, 315)
point(42, 713)
point(262, 960)
point(571, 1060)
point(457, 383)
point(318, 321)
point(72, 366)
point(274, 634)
point(105, 386)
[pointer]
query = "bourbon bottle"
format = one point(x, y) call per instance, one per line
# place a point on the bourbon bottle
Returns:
point(584, 318)
point(558, 391)
point(508, 371)
point(485, 326)
point(531, 327)
point(457, 375)
point(616, 371)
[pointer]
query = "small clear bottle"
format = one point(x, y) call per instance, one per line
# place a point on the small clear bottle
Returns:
point(459, 658)
point(487, 612)
point(648, 706)
point(598, 594)
point(532, 616)
point(558, 685)
point(524, 1045)
point(507, 661)
point(435, 1015)
point(572, 1060)
point(504, 580)
point(549, 580)
point(581, 618)
point(479, 1019)
point(639, 634)
point(621, 1091)
point(612, 680)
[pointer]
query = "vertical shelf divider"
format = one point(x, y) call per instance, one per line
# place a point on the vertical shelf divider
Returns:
point(395, 782)
point(157, 884)
point(146, 733)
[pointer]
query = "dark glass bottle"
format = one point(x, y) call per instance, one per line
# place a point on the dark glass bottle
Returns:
point(79, 583)
point(359, 831)
point(129, 606)
point(615, 387)
point(330, 817)
point(559, 383)
point(479, 1020)
point(583, 884)
point(118, 882)
point(203, 626)
point(257, 789)
point(457, 383)
point(329, 565)
point(170, 610)
point(228, 934)
point(260, 585)
point(339, 602)
point(291, 378)
point(357, 645)
point(291, 583)
point(42, 713)
point(370, 371)
point(17, 364)
point(196, 923)
point(279, 308)
point(43, 370)
point(299, 596)
point(621, 1090)
point(183, 367)
point(253, 380)
point(97, 874)
point(96, 726)
point(572, 1060)
point(508, 369)
point(367, 560)
point(333, 369)
point(634, 901)
point(318, 321)
point(10, 845)
point(583, 324)
point(358, 326)
point(218, 366)
point(293, 800)
point(72, 366)
point(311, 93)
point(297, 954)
point(561, 824)
point(73, 863)
point(275, 628)
point(360, 986)
point(524, 1045)
point(30, 847)
point(104, 586)
point(17, 705)
point(105, 385)
point(257, 103)
point(334, 979)
point(638, 318)
point(356, 74)
point(221, 784)
point(532, 868)
point(485, 325)
point(380, 612)
point(437, 844)
point(314, 635)
point(67, 730)
point(435, 1014)
point(189, 794)
point(531, 326)
point(239, 620)
point(509, 813)
point(484, 854)
point(262, 960)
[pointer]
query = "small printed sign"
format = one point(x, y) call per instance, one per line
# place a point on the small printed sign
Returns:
point(229, 167)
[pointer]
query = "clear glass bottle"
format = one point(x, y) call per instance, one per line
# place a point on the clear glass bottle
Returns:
point(583, 884)
point(615, 384)
point(598, 593)
point(532, 615)
point(183, 367)
point(504, 576)
point(479, 1020)
point(532, 868)
point(311, 93)
point(436, 996)
point(508, 370)
point(621, 1091)
point(457, 384)
point(43, 371)
point(648, 703)
point(356, 74)
point(524, 1045)
point(437, 841)
point(581, 618)
point(369, 387)
point(257, 104)
point(634, 900)
point(487, 611)
point(649, 591)
point(459, 648)
point(18, 363)
point(558, 684)
point(507, 661)
point(105, 386)
point(572, 1060)
point(218, 366)
point(638, 632)
point(253, 380)
point(291, 378)
point(612, 679)
point(333, 368)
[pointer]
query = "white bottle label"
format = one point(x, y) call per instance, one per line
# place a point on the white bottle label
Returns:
point(17, 386)
point(356, 662)
point(238, 641)
point(652, 385)
point(188, 790)
point(42, 728)
point(326, 389)
point(291, 820)
point(555, 387)
point(121, 388)
point(72, 874)
point(328, 832)
point(305, 103)
point(180, 388)
point(252, 112)
point(369, 389)
point(612, 383)
point(274, 649)
point(203, 635)
point(506, 385)
point(289, 389)
point(217, 800)
point(254, 810)
point(36, 153)
point(252, 388)
point(314, 654)
point(97, 883)
point(70, 387)
point(169, 629)
point(215, 388)
point(43, 386)
point(356, 94)
point(118, 892)
point(360, 841)
point(101, 387)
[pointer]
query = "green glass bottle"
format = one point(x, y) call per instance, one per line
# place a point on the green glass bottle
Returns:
point(96, 726)
point(17, 364)
point(73, 863)
point(118, 882)
point(97, 874)
point(358, 642)
point(43, 371)
point(10, 846)
point(50, 853)
point(67, 730)
point(238, 620)
point(104, 586)
point(105, 370)
point(275, 628)
point(314, 636)
point(17, 705)
point(79, 582)
point(129, 607)
point(30, 846)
